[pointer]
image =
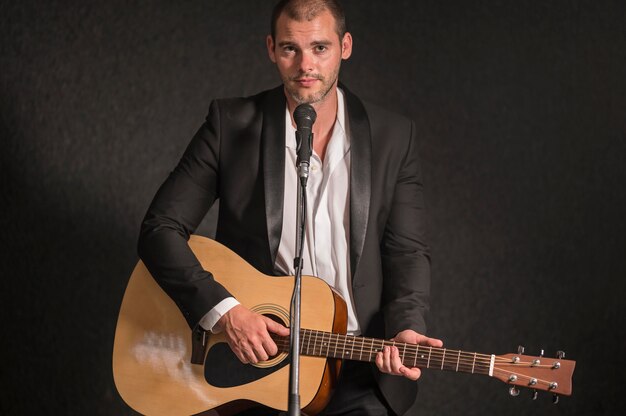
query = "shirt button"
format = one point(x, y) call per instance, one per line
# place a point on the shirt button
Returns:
point(314, 168)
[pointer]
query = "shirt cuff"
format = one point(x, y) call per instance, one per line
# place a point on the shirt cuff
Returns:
point(209, 320)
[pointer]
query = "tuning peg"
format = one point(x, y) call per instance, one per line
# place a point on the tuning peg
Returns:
point(541, 353)
point(555, 398)
point(520, 349)
point(514, 391)
point(560, 355)
point(534, 394)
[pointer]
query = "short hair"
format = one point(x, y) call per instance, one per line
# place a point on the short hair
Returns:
point(301, 10)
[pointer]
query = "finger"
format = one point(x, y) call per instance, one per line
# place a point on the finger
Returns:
point(242, 358)
point(251, 356)
point(245, 351)
point(275, 327)
point(431, 342)
point(239, 354)
point(379, 361)
point(395, 361)
point(260, 353)
point(387, 359)
point(270, 346)
point(436, 342)
point(238, 348)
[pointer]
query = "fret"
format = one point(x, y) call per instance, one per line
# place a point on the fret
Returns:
point(430, 350)
point(321, 343)
point(473, 363)
point(336, 342)
point(403, 351)
point(458, 360)
point(345, 341)
point(302, 333)
point(371, 349)
point(443, 358)
point(417, 350)
point(422, 356)
point(308, 342)
point(327, 343)
point(361, 349)
point(315, 343)
point(351, 346)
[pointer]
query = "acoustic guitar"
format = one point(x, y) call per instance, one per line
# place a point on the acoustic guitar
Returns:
point(161, 368)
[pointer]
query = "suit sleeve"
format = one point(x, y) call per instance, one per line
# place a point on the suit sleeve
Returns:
point(404, 252)
point(175, 212)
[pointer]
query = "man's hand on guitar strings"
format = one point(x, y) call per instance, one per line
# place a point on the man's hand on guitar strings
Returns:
point(388, 361)
point(247, 334)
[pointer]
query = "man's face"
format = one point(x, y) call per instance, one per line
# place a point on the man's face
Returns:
point(308, 56)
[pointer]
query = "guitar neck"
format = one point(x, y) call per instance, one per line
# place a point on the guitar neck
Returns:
point(539, 373)
point(348, 347)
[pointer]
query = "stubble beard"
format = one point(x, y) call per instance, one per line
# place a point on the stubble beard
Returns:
point(316, 97)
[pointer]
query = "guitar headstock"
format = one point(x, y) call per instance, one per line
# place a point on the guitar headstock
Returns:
point(553, 375)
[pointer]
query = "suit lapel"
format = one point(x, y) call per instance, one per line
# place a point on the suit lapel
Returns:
point(273, 145)
point(360, 176)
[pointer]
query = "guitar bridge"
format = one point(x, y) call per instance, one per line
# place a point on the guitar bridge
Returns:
point(199, 343)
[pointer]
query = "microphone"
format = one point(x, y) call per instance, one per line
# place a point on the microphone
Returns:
point(304, 115)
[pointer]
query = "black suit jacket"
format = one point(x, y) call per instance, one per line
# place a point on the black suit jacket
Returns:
point(238, 156)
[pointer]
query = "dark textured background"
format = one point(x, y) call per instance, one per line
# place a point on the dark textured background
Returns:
point(521, 107)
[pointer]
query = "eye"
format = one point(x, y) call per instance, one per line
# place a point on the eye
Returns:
point(320, 48)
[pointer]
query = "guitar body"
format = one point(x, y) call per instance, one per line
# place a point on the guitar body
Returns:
point(153, 344)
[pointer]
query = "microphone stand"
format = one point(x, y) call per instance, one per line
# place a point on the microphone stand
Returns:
point(294, 345)
point(304, 116)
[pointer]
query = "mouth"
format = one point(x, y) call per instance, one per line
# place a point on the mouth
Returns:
point(306, 82)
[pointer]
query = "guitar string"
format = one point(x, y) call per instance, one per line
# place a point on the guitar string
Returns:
point(464, 366)
point(436, 359)
point(334, 340)
point(410, 350)
point(524, 377)
point(437, 356)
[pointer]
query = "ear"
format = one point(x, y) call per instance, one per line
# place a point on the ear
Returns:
point(346, 46)
point(269, 42)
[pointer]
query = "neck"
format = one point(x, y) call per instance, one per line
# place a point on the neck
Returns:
point(326, 110)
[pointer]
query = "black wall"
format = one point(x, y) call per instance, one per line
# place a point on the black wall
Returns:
point(521, 106)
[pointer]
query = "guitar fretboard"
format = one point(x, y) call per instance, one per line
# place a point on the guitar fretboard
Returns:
point(349, 347)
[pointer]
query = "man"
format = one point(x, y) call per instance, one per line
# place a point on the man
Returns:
point(365, 218)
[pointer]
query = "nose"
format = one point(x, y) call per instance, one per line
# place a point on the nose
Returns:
point(307, 61)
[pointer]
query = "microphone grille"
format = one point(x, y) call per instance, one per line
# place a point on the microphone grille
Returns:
point(304, 115)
